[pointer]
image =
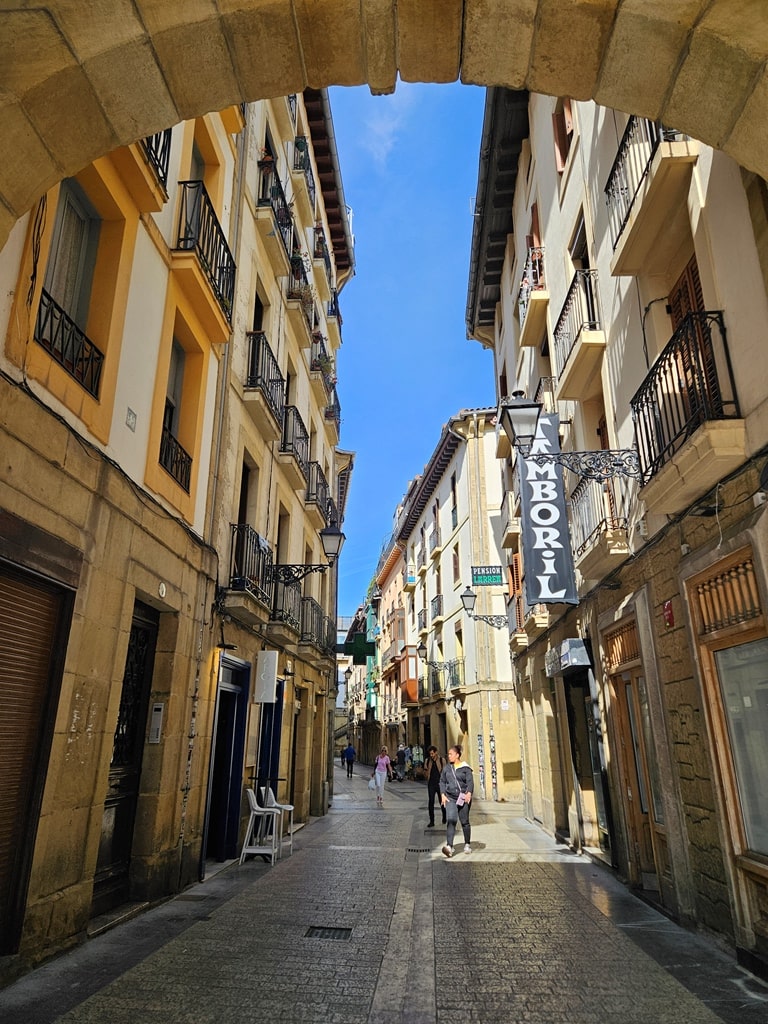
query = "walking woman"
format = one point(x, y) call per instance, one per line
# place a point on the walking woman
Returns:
point(433, 767)
point(382, 770)
point(456, 788)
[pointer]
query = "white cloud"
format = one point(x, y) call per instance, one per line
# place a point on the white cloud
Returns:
point(389, 120)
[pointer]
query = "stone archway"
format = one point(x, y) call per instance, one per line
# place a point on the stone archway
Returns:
point(74, 85)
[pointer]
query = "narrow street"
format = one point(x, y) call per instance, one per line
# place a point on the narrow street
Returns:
point(368, 923)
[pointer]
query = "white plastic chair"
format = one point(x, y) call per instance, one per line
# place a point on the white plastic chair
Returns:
point(261, 835)
point(271, 803)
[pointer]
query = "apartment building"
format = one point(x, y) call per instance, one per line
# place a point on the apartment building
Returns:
point(170, 425)
point(451, 665)
point(619, 274)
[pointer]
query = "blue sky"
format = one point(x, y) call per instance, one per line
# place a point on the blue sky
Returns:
point(409, 165)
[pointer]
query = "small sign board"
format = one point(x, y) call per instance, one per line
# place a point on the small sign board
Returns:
point(487, 576)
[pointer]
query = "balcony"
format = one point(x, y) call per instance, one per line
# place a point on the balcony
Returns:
point(322, 368)
point(688, 429)
point(321, 259)
point(409, 578)
point(436, 609)
point(304, 190)
point(536, 621)
point(646, 194)
point(545, 394)
point(60, 336)
point(314, 630)
point(333, 320)
point(294, 448)
point(579, 340)
point(599, 525)
point(201, 260)
point(422, 624)
point(264, 387)
point(435, 543)
point(274, 219)
point(518, 638)
point(422, 562)
point(510, 523)
point(533, 298)
point(317, 503)
point(300, 295)
point(285, 620)
point(250, 590)
point(175, 460)
point(143, 168)
point(333, 417)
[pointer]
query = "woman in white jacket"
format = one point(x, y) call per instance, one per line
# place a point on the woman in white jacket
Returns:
point(456, 788)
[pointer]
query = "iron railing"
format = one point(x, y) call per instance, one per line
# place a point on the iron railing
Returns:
point(333, 311)
point(333, 410)
point(434, 539)
point(436, 606)
point(516, 613)
point(271, 193)
point(533, 279)
point(313, 625)
point(157, 149)
point(264, 373)
point(250, 564)
point(302, 162)
point(596, 507)
point(690, 383)
point(321, 362)
point(317, 489)
point(580, 312)
point(292, 105)
point(286, 604)
point(199, 230)
point(295, 439)
point(421, 619)
point(300, 289)
point(175, 460)
point(445, 675)
point(60, 336)
point(635, 154)
point(322, 253)
point(545, 393)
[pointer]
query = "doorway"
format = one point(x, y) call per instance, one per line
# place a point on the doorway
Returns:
point(225, 786)
point(111, 885)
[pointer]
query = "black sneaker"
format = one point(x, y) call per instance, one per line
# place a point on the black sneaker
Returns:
point(431, 824)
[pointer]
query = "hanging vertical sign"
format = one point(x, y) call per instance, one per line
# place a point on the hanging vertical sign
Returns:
point(265, 683)
point(547, 555)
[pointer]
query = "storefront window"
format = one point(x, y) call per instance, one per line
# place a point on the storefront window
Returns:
point(743, 675)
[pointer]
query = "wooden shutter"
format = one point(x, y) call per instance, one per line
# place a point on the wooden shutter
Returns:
point(30, 617)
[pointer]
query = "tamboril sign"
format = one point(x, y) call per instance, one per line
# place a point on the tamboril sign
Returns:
point(547, 557)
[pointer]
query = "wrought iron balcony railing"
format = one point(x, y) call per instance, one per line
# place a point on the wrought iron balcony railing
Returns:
point(333, 310)
point(421, 619)
point(302, 162)
point(320, 361)
point(157, 149)
point(60, 336)
point(250, 564)
point(533, 279)
point(545, 393)
point(300, 289)
point(317, 489)
point(446, 675)
point(434, 540)
point(597, 507)
point(264, 373)
point(295, 438)
point(333, 410)
point(271, 193)
point(580, 312)
point(199, 229)
point(436, 606)
point(175, 460)
point(292, 105)
point(313, 622)
point(635, 154)
point(690, 383)
point(322, 253)
point(286, 604)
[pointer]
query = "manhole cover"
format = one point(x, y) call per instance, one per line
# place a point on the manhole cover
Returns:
point(316, 932)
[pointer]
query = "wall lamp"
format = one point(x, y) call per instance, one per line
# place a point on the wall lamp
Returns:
point(468, 598)
point(519, 418)
point(421, 650)
point(332, 540)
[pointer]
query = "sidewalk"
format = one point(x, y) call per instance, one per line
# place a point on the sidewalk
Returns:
point(368, 923)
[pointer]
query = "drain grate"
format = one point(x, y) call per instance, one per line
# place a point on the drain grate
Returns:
point(418, 849)
point(317, 932)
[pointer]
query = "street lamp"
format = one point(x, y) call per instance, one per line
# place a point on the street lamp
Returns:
point(519, 417)
point(421, 650)
point(468, 598)
point(332, 540)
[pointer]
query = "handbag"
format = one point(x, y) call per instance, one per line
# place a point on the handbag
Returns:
point(461, 798)
point(371, 783)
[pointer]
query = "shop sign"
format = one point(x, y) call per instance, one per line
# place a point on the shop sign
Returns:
point(487, 576)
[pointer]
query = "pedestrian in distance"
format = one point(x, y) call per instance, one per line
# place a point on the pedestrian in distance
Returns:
point(433, 768)
point(456, 787)
point(382, 770)
point(348, 758)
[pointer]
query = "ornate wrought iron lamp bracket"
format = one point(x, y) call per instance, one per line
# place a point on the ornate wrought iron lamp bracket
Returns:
point(599, 465)
point(289, 574)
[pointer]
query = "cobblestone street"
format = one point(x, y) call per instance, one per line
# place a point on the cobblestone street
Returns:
point(368, 923)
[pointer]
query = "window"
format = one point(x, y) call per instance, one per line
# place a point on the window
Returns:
point(173, 457)
point(562, 124)
point(456, 569)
